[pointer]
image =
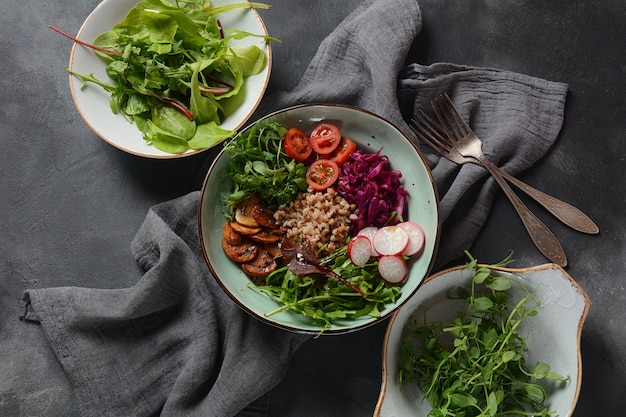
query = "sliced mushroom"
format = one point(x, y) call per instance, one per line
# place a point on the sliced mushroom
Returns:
point(274, 250)
point(261, 266)
point(243, 212)
point(264, 216)
point(245, 230)
point(278, 232)
point(230, 235)
point(245, 252)
point(265, 237)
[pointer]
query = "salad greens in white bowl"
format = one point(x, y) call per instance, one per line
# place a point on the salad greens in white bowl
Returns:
point(170, 79)
point(486, 339)
point(357, 291)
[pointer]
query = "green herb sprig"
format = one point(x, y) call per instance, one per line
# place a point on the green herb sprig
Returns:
point(475, 366)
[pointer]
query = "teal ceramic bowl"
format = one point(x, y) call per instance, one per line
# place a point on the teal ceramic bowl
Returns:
point(370, 132)
point(553, 335)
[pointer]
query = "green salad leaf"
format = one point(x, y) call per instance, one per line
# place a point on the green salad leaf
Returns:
point(476, 365)
point(175, 56)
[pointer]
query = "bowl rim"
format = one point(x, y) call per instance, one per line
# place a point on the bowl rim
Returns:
point(330, 331)
point(520, 271)
point(191, 152)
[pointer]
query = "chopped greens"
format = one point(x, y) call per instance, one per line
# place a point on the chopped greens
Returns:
point(475, 365)
point(172, 68)
point(259, 166)
point(325, 299)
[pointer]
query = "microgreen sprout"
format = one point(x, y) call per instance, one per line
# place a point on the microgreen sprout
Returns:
point(475, 365)
point(258, 166)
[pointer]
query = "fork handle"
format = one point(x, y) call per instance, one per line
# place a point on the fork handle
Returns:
point(563, 211)
point(541, 236)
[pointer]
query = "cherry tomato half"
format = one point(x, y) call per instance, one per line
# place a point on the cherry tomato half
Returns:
point(325, 137)
point(343, 151)
point(297, 144)
point(322, 174)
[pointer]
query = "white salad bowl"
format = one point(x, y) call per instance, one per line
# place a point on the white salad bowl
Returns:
point(371, 133)
point(92, 101)
point(553, 335)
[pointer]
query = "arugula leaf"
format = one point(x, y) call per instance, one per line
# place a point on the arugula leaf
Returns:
point(325, 299)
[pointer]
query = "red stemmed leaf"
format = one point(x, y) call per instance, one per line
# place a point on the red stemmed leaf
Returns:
point(301, 259)
point(89, 45)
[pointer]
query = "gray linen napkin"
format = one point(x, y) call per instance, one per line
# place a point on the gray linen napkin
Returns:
point(174, 344)
point(517, 116)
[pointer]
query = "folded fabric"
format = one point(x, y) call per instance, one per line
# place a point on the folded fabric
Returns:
point(517, 116)
point(174, 344)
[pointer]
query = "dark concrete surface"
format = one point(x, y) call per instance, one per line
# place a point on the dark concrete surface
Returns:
point(71, 203)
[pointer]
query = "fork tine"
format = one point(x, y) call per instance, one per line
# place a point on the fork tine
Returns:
point(429, 131)
point(427, 138)
point(449, 116)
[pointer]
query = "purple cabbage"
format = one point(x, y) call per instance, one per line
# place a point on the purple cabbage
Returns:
point(367, 181)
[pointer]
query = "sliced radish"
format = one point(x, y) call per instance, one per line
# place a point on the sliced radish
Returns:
point(390, 240)
point(369, 233)
point(359, 250)
point(393, 269)
point(417, 237)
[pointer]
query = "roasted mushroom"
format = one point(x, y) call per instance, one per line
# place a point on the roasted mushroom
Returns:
point(261, 266)
point(245, 252)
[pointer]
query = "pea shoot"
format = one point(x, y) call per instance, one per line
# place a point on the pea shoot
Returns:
point(475, 365)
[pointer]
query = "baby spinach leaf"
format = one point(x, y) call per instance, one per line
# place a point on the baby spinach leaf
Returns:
point(208, 135)
point(171, 120)
point(163, 139)
point(177, 54)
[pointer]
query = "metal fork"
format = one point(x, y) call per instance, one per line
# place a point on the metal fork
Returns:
point(433, 134)
point(469, 145)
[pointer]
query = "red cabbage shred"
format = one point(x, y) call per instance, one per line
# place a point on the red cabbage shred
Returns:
point(368, 181)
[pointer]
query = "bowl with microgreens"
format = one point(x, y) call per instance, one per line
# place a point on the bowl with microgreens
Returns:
point(166, 79)
point(486, 340)
point(319, 218)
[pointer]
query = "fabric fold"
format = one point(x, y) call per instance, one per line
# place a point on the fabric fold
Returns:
point(359, 62)
point(518, 118)
point(172, 344)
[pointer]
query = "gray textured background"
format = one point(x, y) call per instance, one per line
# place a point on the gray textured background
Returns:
point(71, 203)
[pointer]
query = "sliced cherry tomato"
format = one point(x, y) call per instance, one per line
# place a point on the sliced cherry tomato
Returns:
point(297, 144)
point(325, 137)
point(322, 174)
point(343, 151)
